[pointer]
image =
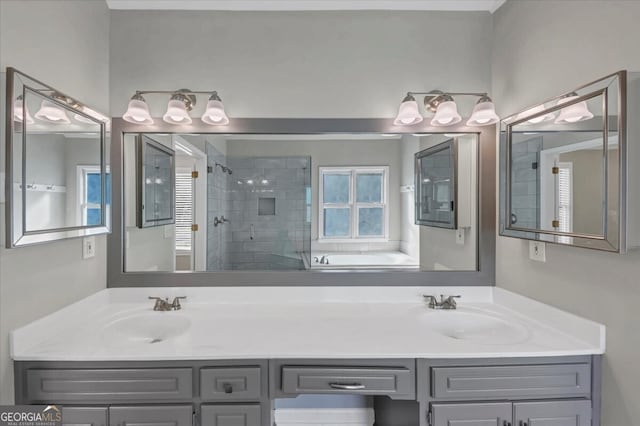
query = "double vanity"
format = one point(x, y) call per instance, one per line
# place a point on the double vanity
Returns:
point(228, 354)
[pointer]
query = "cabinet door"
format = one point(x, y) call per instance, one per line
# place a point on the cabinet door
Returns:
point(478, 414)
point(84, 416)
point(553, 413)
point(231, 415)
point(166, 415)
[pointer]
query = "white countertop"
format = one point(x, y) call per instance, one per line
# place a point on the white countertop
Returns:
point(305, 322)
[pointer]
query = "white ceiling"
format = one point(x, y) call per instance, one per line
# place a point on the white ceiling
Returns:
point(308, 5)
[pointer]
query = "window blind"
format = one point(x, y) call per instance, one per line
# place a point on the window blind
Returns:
point(184, 210)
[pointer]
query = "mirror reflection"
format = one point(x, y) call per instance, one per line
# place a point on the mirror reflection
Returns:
point(561, 170)
point(61, 159)
point(296, 202)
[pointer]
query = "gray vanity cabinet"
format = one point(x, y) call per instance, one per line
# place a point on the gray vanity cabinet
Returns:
point(165, 415)
point(541, 413)
point(476, 414)
point(230, 415)
point(551, 391)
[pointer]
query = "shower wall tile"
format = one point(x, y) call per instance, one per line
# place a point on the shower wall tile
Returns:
point(269, 241)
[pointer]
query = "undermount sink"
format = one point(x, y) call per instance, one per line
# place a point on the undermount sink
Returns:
point(476, 327)
point(150, 327)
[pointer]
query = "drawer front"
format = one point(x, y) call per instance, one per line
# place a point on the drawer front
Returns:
point(84, 416)
point(230, 384)
point(554, 413)
point(365, 381)
point(230, 415)
point(109, 385)
point(166, 415)
point(478, 414)
point(515, 381)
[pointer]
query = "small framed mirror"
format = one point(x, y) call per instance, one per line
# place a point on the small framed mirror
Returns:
point(156, 186)
point(563, 168)
point(58, 179)
point(436, 185)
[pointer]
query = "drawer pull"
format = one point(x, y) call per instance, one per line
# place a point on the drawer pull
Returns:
point(227, 388)
point(347, 386)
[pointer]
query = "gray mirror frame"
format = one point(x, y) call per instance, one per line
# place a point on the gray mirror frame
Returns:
point(485, 275)
point(49, 235)
point(452, 145)
point(579, 240)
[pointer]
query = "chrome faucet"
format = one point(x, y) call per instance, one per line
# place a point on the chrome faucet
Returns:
point(448, 302)
point(164, 305)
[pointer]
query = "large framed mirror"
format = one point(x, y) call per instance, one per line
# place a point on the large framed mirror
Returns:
point(58, 177)
point(300, 202)
point(563, 168)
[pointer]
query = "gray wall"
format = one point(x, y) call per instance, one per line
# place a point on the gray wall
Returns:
point(298, 64)
point(542, 49)
point(64, 43)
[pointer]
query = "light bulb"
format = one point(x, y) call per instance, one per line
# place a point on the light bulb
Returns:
point(446, 114)
point(484, 113)
point(408, 112)
point(137, 111)
point(214, 113)
point(52, 113)
point(177, 111)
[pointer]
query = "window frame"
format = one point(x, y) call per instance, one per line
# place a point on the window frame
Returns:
point(82, 171)
point(353, 205)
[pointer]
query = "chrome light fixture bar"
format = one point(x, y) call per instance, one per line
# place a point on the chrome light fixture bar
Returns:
point(180, 103)
point(445, 109)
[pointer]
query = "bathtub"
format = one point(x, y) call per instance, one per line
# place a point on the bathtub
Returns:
point(368, 259)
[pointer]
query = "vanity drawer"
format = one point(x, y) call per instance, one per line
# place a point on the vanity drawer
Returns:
point(109, 385)
point(165, 415)
point(84, 416)
point(513, 381)
point(352, 380)
point(230, 415)
point(230, 384)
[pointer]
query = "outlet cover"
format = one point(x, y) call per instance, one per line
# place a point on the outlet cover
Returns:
point(460, 236)
point(88, 247)
point(537, 251)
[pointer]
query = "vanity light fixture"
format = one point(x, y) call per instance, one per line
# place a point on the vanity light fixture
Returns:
point(138, 111)
point(214, 113)
point(445, 109)
point(484, 113)
point(408, 112)
point(180, 104)
point(178, 107)
point(51, 113)
point(20, 111)
point(539, 119)
point(573, 113)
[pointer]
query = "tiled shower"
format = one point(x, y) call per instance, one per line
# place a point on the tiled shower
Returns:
point(266, 201)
